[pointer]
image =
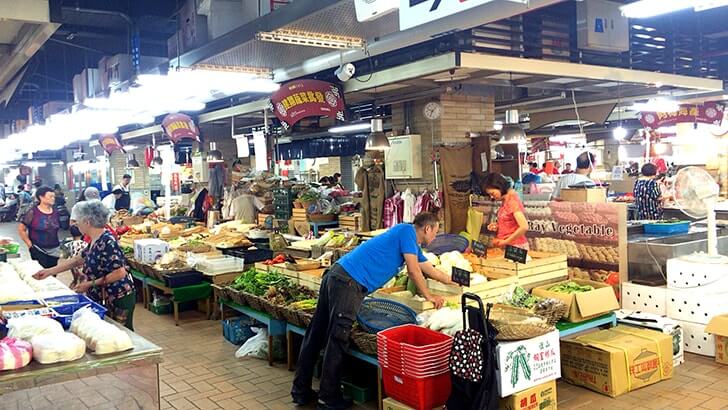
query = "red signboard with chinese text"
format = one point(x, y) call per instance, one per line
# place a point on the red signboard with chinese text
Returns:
point(179, 127)
point(708, 113)
point(110, 143)
point(175, 185)
point(301, 99)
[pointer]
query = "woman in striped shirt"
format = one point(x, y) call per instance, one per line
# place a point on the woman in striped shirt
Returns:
point(647, 195)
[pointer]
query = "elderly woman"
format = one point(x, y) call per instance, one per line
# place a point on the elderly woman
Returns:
point(108, 281)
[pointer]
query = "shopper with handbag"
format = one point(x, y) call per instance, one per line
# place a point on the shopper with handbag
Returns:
point(39, 229)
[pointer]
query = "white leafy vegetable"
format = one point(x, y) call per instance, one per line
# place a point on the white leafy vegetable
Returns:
point(456, 259)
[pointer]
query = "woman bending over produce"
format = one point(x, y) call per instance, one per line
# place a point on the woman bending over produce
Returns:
point(108, 281)
point(512, 225)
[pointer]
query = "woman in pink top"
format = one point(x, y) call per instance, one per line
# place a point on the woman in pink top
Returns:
point(512, 225)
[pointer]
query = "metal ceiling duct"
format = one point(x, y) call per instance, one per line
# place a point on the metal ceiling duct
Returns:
point(512, 133)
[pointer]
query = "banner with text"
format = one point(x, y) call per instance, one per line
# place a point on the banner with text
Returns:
point(708, 113)
point(301, 99)
point(179, 127)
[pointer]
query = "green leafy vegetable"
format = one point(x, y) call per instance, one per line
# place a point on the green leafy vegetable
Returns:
point(571, 287)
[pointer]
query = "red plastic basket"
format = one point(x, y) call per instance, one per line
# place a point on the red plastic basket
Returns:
point(420, 393)
point(413, 350)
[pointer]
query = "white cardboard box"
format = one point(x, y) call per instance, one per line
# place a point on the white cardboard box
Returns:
point(660, 323)
point(696, 340)
point(641, 298)
point(149, 250)
point(542, 356)
point(696, 306)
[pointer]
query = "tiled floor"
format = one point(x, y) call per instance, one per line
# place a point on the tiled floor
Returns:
point(200, 372)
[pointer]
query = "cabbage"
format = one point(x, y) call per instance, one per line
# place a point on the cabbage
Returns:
point(456, 259)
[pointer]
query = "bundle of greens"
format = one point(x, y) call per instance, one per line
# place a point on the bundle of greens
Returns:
point(258, 283)
point(571, 287)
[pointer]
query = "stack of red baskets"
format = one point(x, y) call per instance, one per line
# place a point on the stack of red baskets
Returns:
point(415, 366)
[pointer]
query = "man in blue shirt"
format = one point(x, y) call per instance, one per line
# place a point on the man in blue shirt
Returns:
point(345, 284)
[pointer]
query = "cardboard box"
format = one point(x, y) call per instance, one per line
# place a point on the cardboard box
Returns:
point(586, 305)
point(541, 397)
point(149, 250)
point(618, 360)
point(718, 327)
point(540, 355)
point(661, 324)
point(594, 195)
point(392, 404)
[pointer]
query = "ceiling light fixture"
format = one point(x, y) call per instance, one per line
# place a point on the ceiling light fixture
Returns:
point(656, 105)
point(307, 38)
point(214, 155)
point(377, 140)
point(511, 132)
point(345, 129)
point(132, 162)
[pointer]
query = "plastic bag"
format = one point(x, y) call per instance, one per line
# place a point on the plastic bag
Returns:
point(256, 346)
point(26, 327)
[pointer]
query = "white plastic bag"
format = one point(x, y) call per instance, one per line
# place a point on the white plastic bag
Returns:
point(27, 327)
point(256, 346)
point(55, 348)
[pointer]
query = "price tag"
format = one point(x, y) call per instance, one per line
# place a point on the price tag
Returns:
point(516, 254)
point(461, 276)
point(479, 248)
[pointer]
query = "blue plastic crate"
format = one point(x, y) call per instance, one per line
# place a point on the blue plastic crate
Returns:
point(69, 304)
point(667, 228)
point(237, 330)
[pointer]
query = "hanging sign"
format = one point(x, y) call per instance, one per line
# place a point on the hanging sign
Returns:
point(179, 127)
point(301, 99)
point(174, 183)
point(708, 113)
point(414, 13)
point(110, 143)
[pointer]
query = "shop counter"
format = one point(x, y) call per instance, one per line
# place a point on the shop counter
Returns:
point(120, 380)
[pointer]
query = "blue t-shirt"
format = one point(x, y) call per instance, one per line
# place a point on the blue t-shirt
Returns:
point(377, 260)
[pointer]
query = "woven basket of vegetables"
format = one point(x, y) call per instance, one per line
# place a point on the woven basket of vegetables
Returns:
point(236, 296)
point(291, 316)
point(550, 309)
point(515, 323)
point(365, 342)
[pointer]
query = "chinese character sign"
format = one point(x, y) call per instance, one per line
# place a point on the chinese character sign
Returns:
point(301, 99)
point(110, 143)
point(708, 113)
point(179, 127)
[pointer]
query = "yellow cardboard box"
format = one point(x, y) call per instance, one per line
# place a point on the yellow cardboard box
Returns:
point(585, 305)
point(718, 327)
point(541, 397)
point(392, 404)
point(618, 360)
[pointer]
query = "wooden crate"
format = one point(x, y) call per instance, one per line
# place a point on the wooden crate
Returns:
point(493, 288)
point(311, 278)
point(263, 217)
point(399, 294)
point(352, 222)
point(530, 282)
point(261, 266)
point(542, 262)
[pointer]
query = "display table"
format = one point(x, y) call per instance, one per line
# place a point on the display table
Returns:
point(315, 226)
point(275, 327)
point(143, 279)
point(372, 360)
point(568, 329)
point(181, 294)
point(121, 380)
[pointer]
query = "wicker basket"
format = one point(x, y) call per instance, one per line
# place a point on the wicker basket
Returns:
point(515, 323)
point(305, 317)
point(365, 342)
point(553, 313)
point(236, 296)
point(256, 302)
point(291, 316)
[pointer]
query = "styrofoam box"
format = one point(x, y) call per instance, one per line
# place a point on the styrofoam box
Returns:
point(683, 274)
point(647, 299)
point(695, 306)
point(696, 340)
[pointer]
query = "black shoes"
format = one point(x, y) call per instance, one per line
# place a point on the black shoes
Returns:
point(342, 404)
point(305, 399)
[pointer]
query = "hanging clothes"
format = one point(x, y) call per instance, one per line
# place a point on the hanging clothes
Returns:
point(371, 181)
point(408, 210)
point(217, 181)
point(393, 211)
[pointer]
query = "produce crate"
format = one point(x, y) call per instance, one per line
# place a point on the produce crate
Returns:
point(263, 217)
point(311, 278)
point(493, 288)
point(400, 294)
point(180, 279)
point(164, 309)
point(250, 256)
point(237, 330)
point(352, 222)
point(542, 262)
point(69, 304)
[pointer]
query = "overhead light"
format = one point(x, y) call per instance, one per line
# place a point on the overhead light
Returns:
point(497, 125)
point(652, 8)
point(311, 39)
point(34, 164)
point(512, 133)
point(345, 72)
point(130, 147)
point(656, 105)
point(344, 129)
point(214, 155)
point(377, 140)
point(619, 133)
point(132, 163)
point(459, 77)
